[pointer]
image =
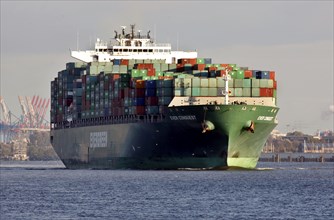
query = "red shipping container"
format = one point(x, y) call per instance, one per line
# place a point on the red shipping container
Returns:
point(152, 100)
point(151, 72)
point(275, 84)
point(83, 78)
point(248, 74)
point(272, 74)
point(179, 67)
point(266, 92)
point(142, 66)
point(139, 110)
point(126, 92)
point(124, 62)
point(139, 92)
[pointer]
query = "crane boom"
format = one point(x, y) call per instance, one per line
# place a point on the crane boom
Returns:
point(6, 113)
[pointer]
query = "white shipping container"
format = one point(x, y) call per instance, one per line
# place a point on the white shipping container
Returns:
point(255, 83)
point(204, 82)
point(178, 82)
point(187, 82)
point(196, 81)
point(212, 82)
point(187, 92)
point(220, 82)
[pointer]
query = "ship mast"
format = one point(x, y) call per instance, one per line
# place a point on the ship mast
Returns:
point(226, 92)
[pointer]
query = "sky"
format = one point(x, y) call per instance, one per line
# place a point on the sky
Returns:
point(292, 38)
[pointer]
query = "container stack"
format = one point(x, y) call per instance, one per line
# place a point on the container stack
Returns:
point(146, 87)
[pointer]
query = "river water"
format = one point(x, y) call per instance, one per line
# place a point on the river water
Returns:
point(45, 190)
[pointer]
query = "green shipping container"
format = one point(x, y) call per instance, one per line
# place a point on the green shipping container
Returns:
point(135, 73)
point(157, 67)
point(164, 67)
point(246, 83)
point(204, 91)
point(240, 74)
point(255, 92)
point(238, 83)
point(196, 91)
point(212, 91)
point(179, 92)
point(200, 61)
point(246, 92)
point(233, 74)
point(238, 92)
point(231, 83)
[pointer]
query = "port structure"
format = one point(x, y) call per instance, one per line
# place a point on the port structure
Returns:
point(31, 119)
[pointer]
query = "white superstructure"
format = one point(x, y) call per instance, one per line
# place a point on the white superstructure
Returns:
point(131, 46)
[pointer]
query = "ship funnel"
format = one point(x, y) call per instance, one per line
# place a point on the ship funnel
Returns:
point(207, 126)
point(249, 126)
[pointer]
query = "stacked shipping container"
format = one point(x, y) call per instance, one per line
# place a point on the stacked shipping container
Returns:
point(146, 87)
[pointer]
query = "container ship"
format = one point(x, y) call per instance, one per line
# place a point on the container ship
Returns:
point(135, 104)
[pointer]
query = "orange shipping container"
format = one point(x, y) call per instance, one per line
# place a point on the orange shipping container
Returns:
point(188, 61)
point(220, 73)
point(140, 84)
point(199, 67)
point(212, 68)
point(272, 74)
point(116, 76)
point(248, 74)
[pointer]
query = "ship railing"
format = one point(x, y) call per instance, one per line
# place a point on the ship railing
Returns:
point(107, 120)
point(111, 44)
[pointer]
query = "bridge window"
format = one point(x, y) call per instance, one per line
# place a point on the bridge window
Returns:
point(150, 50)
point(145, 50)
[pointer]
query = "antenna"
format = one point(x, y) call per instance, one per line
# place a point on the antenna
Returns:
point(177, 41)
point(155, 33)
point(123, 30)
point(77, 40)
